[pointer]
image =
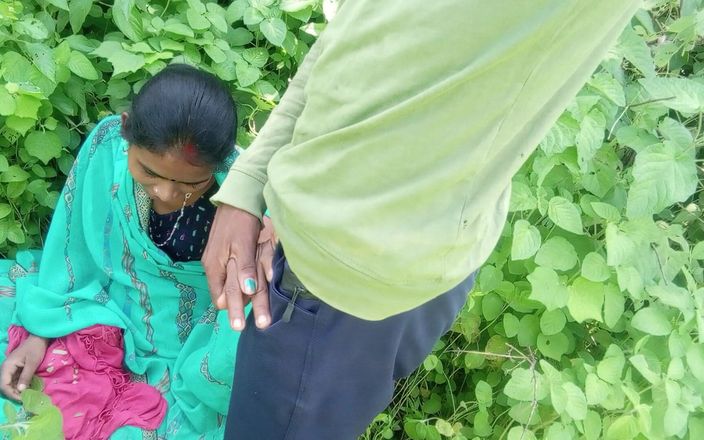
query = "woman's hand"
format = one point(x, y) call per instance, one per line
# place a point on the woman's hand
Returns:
point(20, 365)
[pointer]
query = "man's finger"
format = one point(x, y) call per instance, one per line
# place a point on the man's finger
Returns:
point(245, 250)
point(266, 260)
point(260, 303)
point(215, 271)
point(233, 295)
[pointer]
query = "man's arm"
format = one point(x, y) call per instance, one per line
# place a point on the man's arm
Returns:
point(245, 182)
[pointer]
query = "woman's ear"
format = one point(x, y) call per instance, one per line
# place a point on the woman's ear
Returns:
point(124, 118)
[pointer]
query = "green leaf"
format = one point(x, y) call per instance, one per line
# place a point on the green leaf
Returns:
point(528, 331)
point(431, 362)
point(246, 74)
point(511, 325)
point(522, 198)
point(484, 394)
point(492, 306)
point(607, 85)
point(614, 305)
point(520, 433)
point(27, 106)
point(176, 27)
point(77, 12)
point(683, 95)
point(274, 29)
point(525, 385)
point(620, 249)
point(43, 58)
point(663, 175)
point(256, 56)
point(252, 17)
point(594, 268)
point(118, 88)
point(576, 401)
point(240, 37)
point(547, 289)
point(20, 70)
point(16, 235)
point(695, 361)
point(33, 28)
point(623, 428)
point(557, 253)
point(676, 132)
point(592, 425)
point(61, 4)
point(128, 19)
point(641, 364)
point(43, 145)
point(565, 214)
point(586, 299)
point(635, 49)
point(652, 320)
point(444, 428)
point(561, 136)
point(674, 296)
point(526, 240)
point(214, 52)
point(554, 346)
point(81, 66)
point(9, 411)
point(606, 211)
point(698, 251)
point(676, 417)
point(5, 210)
point(596, 389)
point(20, 125)
point(7, 102)
point(296, 5)
point(611, 366)
point(235, 11)
point(197, 21)
point(482, 425)
point(552, 322)
point(217, 18)
point(591, 136)
point(121, 60)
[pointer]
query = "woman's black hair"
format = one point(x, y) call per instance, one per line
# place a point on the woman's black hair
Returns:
point(181, 107)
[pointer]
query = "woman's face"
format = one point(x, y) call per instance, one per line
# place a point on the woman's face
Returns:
point(168, 177)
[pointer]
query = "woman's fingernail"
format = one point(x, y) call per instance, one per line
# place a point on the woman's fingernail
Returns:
point(237, 324)
point(21, 387)
point(262, 320)
point(250, 286)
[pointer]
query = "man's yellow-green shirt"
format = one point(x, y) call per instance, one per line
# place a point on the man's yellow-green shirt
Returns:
point(387, 164)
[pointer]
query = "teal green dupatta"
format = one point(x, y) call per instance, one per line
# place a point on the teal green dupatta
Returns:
point(100, 267)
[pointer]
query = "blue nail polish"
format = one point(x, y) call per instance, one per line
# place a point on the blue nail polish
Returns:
point(250, 286)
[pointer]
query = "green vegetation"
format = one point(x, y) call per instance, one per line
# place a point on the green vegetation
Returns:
point(586, 320)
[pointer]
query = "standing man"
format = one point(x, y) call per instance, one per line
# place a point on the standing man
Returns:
point(386, 168)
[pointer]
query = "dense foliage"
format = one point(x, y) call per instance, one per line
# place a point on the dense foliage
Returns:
point(586, 320)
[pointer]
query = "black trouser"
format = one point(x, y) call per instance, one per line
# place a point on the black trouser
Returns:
point(318, 373)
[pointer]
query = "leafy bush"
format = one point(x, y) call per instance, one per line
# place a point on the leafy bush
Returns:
point(66, 63)
point(586, 320)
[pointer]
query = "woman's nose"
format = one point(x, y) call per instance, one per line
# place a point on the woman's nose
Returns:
point(165, 193)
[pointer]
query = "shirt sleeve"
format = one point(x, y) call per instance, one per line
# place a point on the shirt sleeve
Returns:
point(245, 182)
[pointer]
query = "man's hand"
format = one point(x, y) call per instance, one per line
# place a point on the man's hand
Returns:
point(230, 262)
point(19, 367)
